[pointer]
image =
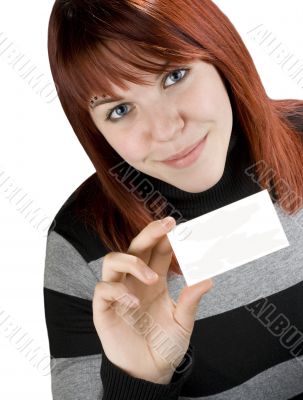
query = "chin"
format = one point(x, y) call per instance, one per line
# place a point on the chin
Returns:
point(209, 180)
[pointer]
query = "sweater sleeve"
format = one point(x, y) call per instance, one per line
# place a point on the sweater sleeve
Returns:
point(79, 367)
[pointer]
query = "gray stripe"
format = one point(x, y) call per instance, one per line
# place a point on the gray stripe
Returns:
point(278, 383)
point(235, 288)
point(96, 267)
point(76, 378)
point(65, 269)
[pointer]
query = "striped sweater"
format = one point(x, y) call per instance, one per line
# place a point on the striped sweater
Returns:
point(247, 341)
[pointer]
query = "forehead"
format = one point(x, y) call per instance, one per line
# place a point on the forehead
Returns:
point(116, 91)
point(128, 65)
point(116, 95)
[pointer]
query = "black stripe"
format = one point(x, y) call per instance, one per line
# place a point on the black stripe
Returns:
point(230, 348)
point(70, 224)
point(70, 326)
point(234, 346)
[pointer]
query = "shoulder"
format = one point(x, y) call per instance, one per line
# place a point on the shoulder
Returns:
point(69, 221)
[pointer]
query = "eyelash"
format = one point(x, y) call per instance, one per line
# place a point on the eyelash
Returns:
point(108, 114)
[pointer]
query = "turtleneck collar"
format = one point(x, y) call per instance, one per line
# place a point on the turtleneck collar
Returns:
point(233, 185)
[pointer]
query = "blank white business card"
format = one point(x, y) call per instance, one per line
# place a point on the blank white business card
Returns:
point(227, 237)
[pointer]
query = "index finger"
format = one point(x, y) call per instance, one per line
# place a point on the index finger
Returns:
point(143, 244)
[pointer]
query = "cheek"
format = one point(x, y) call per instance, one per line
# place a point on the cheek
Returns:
point(210, 99)
point(129, 149)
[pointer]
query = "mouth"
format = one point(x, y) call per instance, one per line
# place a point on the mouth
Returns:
point(189, 157)
point(184, 152)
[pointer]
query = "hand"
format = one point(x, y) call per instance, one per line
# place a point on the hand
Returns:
point(130, 333)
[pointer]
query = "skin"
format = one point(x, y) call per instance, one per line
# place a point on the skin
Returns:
point(158, 122)
point(122, 276)
point(162, 119)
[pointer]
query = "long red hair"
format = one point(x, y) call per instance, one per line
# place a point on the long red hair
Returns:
point(91, 43)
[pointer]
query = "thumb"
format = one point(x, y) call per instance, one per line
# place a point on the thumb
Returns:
point(188, 301)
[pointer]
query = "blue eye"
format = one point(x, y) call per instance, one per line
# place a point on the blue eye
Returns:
point(108, 115)
point(174, 72)
point(113, 110)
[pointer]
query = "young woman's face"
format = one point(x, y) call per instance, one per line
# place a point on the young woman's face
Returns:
point(153, 123)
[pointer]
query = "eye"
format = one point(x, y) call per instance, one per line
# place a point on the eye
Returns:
point(113, 110)
point(176, 73)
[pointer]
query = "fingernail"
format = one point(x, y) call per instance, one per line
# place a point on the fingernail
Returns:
point(168, 222)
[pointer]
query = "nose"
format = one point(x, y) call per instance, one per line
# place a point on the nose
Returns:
point(165, 122)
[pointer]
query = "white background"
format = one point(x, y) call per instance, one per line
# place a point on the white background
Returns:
point(41, 155)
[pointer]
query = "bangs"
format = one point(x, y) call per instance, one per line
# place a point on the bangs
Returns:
point(102, 44)
point(109, 63)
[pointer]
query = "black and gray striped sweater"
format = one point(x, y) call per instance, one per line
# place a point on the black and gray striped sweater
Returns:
point(247, 341)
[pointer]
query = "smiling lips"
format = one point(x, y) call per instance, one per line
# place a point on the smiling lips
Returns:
point(190, 158)
point(184, 152)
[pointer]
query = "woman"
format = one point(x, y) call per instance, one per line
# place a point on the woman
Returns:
point(131, 75)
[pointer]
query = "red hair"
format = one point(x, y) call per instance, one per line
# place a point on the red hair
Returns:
point(91, 43)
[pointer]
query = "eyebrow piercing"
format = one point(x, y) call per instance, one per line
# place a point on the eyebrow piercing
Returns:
point(93, 100)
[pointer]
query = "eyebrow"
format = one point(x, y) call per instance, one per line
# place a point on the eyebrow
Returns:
point(99, 102)
point(111, 100)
